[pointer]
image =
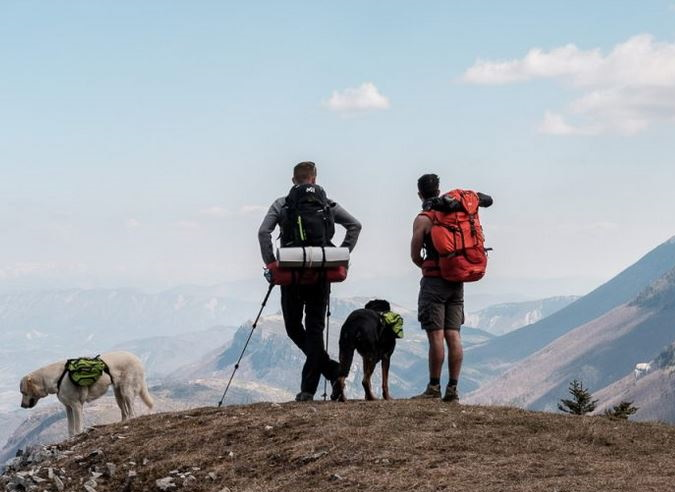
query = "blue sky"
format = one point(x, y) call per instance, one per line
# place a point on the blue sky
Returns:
point(141, 141)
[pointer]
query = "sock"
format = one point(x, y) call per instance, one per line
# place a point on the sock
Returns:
point(453, 382)
point(434, 381)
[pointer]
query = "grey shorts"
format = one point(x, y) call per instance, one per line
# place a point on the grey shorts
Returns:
point(441, 304)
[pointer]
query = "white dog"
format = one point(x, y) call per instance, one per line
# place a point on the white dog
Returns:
point(128, 381)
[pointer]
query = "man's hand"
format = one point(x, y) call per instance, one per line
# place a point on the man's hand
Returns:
point(270, 270)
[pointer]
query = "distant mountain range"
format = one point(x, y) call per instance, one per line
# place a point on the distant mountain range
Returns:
point(42, 326)
point(272, 359)
point(490, 360)
point(602, 352)
point(102, 317)
point(505, 318)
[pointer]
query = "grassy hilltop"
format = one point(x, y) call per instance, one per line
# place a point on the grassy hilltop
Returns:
point(399, 445)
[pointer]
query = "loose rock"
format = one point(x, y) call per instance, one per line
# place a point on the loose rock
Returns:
point(165, 483)
point(58, 483)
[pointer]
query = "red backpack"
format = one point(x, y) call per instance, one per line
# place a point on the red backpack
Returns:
point(458, 238)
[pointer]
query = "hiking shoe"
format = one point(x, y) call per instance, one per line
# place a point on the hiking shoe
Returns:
point(304, 396)
point(432, 391)
point(451, 394)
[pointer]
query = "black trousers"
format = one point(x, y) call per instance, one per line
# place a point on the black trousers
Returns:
point(310, 300)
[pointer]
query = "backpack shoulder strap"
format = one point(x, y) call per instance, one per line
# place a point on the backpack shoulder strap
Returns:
point(106, 369)
point(63, 375)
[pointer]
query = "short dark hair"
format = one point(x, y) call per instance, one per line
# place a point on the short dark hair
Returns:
point(428, 185)
point(304, 171)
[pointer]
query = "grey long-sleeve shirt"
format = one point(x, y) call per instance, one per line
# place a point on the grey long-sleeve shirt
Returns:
point(273, 217)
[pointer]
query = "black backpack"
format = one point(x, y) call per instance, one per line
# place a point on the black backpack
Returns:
point(306, 217)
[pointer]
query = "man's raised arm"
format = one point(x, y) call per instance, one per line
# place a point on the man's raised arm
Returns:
point(420, 228)
point(352, 225)
point(266, 229)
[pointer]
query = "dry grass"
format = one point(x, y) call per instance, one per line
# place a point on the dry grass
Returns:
point(400, 445)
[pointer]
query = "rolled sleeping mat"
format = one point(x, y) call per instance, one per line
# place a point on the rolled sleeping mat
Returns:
point(313, 257)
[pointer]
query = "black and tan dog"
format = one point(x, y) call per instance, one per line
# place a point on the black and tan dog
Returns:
point(366, 331)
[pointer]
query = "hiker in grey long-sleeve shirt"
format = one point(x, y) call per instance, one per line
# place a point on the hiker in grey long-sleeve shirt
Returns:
point(307, 300)
point(273, 218)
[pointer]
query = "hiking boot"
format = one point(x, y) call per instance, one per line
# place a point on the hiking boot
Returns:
point(304, 396)
point(432, 391)
point(451, 394)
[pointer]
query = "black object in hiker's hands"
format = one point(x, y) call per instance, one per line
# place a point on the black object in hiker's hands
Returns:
point(442, 204)
point(447, 204)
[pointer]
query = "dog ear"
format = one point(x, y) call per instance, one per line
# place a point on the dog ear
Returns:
point(31, 388)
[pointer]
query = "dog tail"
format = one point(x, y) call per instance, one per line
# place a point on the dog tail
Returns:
point(145, 396)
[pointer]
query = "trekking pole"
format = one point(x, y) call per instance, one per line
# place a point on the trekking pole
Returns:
point(325, 381)
point(255, 323)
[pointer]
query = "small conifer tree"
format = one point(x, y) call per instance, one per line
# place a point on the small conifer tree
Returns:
point(582, 401)
point(621, 411)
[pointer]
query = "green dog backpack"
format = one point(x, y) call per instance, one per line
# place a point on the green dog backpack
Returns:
point(394, 321)
point(85, 371)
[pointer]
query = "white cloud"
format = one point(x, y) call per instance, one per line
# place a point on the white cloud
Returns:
point(132, 223)
point(555, 124)
point(365, 97)
point(624, 91)
point(537, 63)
